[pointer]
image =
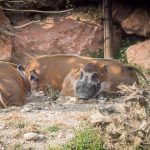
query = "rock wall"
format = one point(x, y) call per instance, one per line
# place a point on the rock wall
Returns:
point(138, 23)
point(35, 4)
point(69, 35)
point(139, 54)
point(133, 21)
point(63, 35)
point(5, 41)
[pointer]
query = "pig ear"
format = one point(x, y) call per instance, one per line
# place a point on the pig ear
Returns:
point(81, 66)
point(104, 68)
point(20, 67)
point(33, 76)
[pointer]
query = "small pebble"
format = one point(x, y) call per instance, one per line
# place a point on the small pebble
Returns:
point(2, 126)
point(27, 108)
point(33, 136)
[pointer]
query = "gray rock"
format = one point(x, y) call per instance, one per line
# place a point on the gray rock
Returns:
point(33, 136)
point(2, 126)
point(26, 108)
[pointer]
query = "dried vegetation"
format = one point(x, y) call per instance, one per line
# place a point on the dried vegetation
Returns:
point(124, 123)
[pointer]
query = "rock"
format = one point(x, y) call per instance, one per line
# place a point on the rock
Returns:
point(121, 12)
point(2, 147)
point(5, 48)
point(33, 136)
point(39, 4)
point(4, 21)
point(59, 35)
point(5, 41)
point(42, 137)
point(2, 126)
point(132, 20)
point(98, 118)
point(139, 54)
point(38, 94)
point(27, 108)
point(138, 23)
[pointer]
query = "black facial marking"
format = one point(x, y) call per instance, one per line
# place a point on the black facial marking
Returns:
point(89, 82)
point(95, 77)
point(81, 75)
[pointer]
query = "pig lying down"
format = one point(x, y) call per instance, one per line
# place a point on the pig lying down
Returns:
point(14, 85)
point(83, 77)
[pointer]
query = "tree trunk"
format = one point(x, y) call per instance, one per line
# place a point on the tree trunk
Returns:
point(107, 15)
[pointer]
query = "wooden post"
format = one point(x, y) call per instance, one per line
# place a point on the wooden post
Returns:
point(107, 16)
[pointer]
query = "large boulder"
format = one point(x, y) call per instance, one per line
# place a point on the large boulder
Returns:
point(37, 4)
point(121, 12)
point(132, 20)
point(4, 20)
point(138, 23)
point(139, 54)
point(63, 35)
point(5, 41)
point(5, 48)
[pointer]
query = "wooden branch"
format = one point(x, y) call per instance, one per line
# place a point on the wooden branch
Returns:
point(26, 24)
point(15, 1)
point(107, 15)
point(32, 10)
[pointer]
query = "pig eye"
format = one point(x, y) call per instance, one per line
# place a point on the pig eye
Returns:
point(81, 75)
point(95, 77)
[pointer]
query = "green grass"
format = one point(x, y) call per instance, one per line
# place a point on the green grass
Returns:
point(85, 139)
point(19, 146)
point(140, 148)
point(18, 123)
point(147, 72)
point(98, 54)
point(142, 82)
point(54, 148)
point(121, 55)
point(53, 94)
point(53, 128)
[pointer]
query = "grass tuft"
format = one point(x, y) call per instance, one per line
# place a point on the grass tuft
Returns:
point(98, 54)
point(121, 55)
point(85, 139)
point(53, 94)
point(53, 128)
point(18, 123)
point(18, 146)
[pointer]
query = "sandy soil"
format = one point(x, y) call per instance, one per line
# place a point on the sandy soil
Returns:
point(40, 115)
point(54, 122)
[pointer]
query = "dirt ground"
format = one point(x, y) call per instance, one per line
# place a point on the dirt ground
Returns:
point(54, 123)
point(40, 115)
